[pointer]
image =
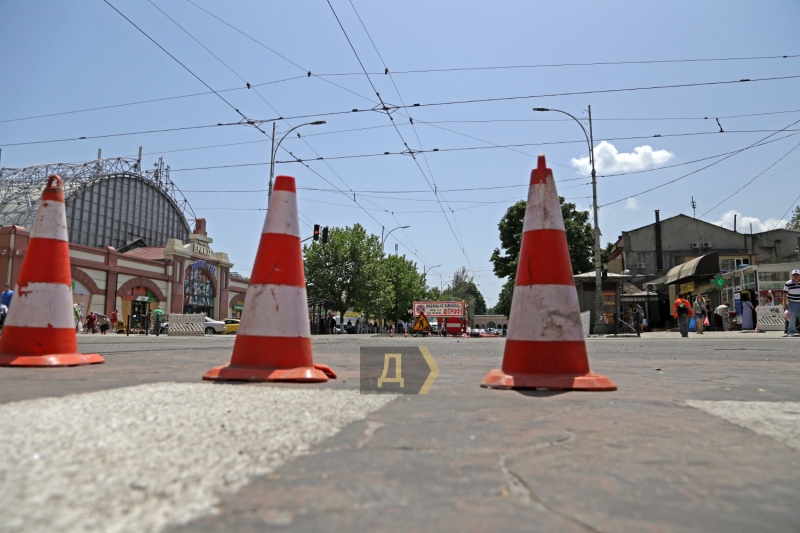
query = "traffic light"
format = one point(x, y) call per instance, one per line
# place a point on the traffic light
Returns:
point(316, 232)
point(325, 235)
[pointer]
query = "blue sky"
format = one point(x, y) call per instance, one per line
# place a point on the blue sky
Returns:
point(65, 56)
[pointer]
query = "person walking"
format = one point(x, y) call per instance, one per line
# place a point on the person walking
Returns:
point(77, 312)
point(748, 311)
point(682, 310)
point(90, 322)
point(791, 302)
point(5, 296)
point(639, 320)
point(331, 322)
point(114, 319)
point(699, 313)
point(102, 323)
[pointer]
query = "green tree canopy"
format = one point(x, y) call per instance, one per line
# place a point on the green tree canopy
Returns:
point(346, 272)
point(463, 287)
point(580, 242)
point(794, 224)
point(406, 284)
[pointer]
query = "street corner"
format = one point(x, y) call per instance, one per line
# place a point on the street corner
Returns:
point(397, 370)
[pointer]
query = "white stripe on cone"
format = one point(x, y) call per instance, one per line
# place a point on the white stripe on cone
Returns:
point(543, 210)
point(41, 305)
point(50, 221)
point(545, 313)
point(282, 214)
point(275, 311)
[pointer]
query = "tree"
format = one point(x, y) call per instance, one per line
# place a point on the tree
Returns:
point(794, 224)
point(406, 283)
point(605, 253)
point(463, 287)
point(346, 271)
point(580, 242)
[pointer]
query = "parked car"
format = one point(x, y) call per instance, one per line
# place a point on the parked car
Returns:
point(214, 326)
point(231, 326)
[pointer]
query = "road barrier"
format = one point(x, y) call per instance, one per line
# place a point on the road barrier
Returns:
point(186, 325)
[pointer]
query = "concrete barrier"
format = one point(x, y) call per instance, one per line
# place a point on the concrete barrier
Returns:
point(186, 325)
point(585, 322)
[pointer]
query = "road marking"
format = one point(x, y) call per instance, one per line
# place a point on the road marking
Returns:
point(779, 420)
point(152, 456)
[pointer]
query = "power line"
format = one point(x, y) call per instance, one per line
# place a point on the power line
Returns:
point(175, 59)
point(472, 148)
point(703, 168)
point(590, 64)
point(166, 98)
point(86, 137)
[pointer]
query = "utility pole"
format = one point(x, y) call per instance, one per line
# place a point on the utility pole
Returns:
point(600, 327)
point(694, 208)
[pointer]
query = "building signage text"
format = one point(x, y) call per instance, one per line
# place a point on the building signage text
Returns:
point(439, 309)
point(201, 250)
point(202, 263)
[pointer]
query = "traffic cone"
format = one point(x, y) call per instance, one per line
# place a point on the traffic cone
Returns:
point(405, 330)
point(391, 331)
point(274, 338)
point(40, 326)
point(545, 347)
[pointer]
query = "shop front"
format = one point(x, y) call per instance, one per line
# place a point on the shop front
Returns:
point(137, 302)
point(199, 288)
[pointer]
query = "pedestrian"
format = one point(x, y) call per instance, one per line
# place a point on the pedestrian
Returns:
point(77, 312)
point(791, 303)
point(158, 316)
point(682, 310)
point(102, 323)
point(331, 322)
point(639, 320)
point(748, 311)
point(5, 296)
point(699, 312)
point(3, 314)
point(709, 315)
point(114, 318)
point(90, 322)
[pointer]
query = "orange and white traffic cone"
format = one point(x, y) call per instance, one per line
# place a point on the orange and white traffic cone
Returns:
point(274, 338)
point(405, 330)
point(40, 326)
point(545, 347)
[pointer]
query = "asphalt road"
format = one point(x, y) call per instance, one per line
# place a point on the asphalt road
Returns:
point(702, 435)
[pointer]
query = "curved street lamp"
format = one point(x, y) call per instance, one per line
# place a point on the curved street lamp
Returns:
point(383, 239)
point(275, 150)
point(600, 322)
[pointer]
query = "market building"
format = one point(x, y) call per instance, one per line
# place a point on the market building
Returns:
point(131, 247)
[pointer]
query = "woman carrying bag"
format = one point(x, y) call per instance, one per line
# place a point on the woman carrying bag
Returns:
point(700, 313)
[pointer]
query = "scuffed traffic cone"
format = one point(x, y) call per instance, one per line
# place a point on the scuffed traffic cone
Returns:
point(545, 347)
point(40, 326)
point(274, 338)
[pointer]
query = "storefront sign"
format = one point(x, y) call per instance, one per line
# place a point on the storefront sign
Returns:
point(202, 263)
point(771, 285)
point(439, 309)
point(687, 287)
point(201, 250)
point(238, 307)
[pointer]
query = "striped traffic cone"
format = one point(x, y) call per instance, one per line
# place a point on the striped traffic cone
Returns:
point(274, 338)
point(545, 347)
point(40, 326)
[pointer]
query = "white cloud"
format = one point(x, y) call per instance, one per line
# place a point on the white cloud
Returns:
point(743, 223)
point(608, 159)
point(631, 203)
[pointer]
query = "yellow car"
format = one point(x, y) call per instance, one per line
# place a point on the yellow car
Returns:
point(231, 326)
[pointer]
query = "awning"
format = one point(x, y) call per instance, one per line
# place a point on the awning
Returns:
point(704, 266)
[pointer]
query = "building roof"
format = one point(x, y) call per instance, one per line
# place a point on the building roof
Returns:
point(153, 253)
point(590, 276)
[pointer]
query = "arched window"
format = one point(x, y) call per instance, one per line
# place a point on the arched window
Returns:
point(198, 292)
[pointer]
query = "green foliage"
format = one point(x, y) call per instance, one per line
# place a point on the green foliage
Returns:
point(794, 224)
point(605, 253)
point(462, 287)
point(406, 286)
point(580, 241)
point(347, 272)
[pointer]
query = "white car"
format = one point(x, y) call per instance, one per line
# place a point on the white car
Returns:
point(214, 326)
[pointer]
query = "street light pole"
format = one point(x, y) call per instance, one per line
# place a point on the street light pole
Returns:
point(425, 269)
point(383, 239)
point(275, 147)
point(600, 327)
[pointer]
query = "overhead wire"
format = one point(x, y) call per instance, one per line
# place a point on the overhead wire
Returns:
point(703, 168)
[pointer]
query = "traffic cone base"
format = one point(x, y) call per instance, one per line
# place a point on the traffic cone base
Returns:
point(40, 326)
point(545, 347)
point(273, 342)
point(497, 379)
